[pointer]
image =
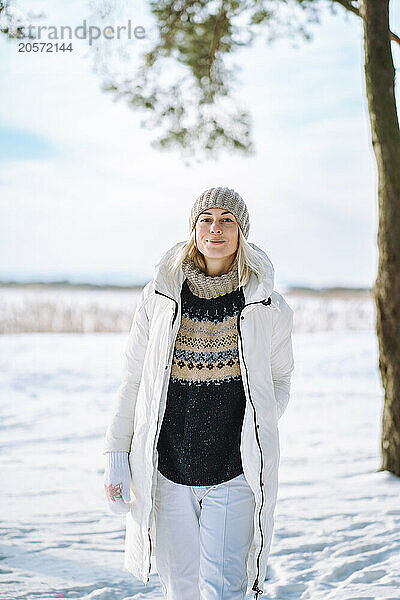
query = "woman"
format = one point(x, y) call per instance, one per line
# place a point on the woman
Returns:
point(192, 447)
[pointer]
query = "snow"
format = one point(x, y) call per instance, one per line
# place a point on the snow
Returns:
point(337, 520)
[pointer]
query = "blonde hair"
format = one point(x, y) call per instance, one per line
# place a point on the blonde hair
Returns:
point(249, 258)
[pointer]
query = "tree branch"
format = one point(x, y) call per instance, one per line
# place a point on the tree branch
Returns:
point(349, 5)
point(216, 40)
point(394, 37)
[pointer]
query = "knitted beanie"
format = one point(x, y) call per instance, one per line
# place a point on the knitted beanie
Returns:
point(221, 197)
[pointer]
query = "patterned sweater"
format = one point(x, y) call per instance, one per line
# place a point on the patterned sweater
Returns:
point(199, 442)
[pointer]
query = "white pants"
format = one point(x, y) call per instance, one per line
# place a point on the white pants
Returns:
point(203, 535)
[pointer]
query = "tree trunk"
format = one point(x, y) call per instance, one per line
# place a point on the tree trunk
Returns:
point(379, 76)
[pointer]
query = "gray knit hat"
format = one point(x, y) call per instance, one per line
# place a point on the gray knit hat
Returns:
point(221, 197)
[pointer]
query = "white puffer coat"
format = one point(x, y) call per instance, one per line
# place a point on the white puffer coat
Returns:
point(266, 362)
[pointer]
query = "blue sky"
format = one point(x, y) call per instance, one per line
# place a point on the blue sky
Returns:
point(83, 194)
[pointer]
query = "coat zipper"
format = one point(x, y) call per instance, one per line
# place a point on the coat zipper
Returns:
point(176, 304)
point(258, 591)
point(172, 326)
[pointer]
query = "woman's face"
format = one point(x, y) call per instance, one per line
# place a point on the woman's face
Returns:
point(217, 224)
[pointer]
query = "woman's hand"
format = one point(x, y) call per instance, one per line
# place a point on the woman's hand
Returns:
point(117, 480)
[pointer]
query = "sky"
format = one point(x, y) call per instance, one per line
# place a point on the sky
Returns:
point(84, 195)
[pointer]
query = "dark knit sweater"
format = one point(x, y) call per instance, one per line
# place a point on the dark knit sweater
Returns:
point(199, 442)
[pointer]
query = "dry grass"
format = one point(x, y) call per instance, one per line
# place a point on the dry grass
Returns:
point(87, 309)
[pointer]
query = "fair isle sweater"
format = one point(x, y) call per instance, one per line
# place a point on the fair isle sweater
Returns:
point(199, 441)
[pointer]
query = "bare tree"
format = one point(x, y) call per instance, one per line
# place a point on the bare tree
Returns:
point(379, 77)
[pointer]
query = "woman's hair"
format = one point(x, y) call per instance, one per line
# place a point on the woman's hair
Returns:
point(249, 259)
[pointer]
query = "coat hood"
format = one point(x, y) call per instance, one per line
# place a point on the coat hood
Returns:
point(256, 289)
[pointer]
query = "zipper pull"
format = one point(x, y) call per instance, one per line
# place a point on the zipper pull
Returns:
point(269, 302)
point(258, 591)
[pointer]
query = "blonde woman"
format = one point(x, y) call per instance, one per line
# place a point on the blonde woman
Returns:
point(192, 447)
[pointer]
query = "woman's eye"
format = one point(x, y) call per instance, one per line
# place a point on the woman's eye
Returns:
point(225, 219)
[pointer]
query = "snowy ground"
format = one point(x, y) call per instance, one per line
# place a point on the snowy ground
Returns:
point(337, 529)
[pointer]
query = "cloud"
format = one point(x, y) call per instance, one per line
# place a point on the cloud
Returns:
point(19, 144)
